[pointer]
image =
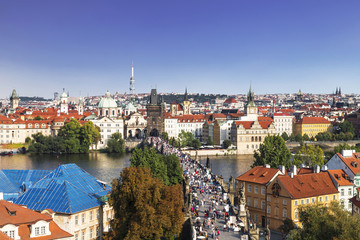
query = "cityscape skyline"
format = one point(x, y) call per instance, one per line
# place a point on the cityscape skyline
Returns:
point(209, 47)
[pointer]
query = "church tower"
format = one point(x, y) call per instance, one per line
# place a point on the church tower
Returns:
point(155, 115)
point(186, 104)
point(81, 106)
point(64, 107)
point(251, 108)
point(14, 100)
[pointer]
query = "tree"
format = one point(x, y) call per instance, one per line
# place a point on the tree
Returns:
point(165, 136)
point(292, 137)
point(115, 144)
point(226, 143)
point(287, 226)
point(285, 136)
point(210, 142)
point(306, 137)
point(27, 140)
point(272, 151)
point(310, 155)
point(144, 208)
point(321, 222)
point(196, 143)
point(298, 137)
point(38, 118)
point(345, 127)
point(185, 138)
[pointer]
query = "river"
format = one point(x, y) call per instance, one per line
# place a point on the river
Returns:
point(106, 167)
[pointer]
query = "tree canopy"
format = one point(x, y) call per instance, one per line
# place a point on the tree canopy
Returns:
point(309, 155)
point(115, 144)
point(321, 222)
point(144, 207)
point(272, 151)
point(167, 168)
point(226, 143)
point(72, 138)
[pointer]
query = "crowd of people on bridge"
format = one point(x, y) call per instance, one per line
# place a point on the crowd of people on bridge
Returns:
point(210, 207)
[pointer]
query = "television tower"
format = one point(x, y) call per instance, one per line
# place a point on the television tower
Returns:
point(132, 80)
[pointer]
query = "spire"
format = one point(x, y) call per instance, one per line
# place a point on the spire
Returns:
point(132, 79)
point(186, 95)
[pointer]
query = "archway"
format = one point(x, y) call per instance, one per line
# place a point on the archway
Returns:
point(137, 133)
point(154, 133)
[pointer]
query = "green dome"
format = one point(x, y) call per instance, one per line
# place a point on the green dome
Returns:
point(107, 102)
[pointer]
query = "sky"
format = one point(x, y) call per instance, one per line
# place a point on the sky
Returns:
point(208, 46)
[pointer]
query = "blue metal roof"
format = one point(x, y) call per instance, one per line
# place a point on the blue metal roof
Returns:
point(68, 189)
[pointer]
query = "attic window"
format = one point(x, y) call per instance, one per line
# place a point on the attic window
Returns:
point(354, 164)
point(12, 212)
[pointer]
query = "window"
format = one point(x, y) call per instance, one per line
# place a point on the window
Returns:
point(349, 205)
point(76, 236)
point(296, 202)
point(268, 222)
point(320, 199)
point(256, 189)
point(76, 220)
point(302, 201)
point(313, 200)
point(83, 235)
point(37, 231)
point(249, 187)
point(268, 210)
point(249, 202)
point(284, 213)
point(83, 218)
point(284, 202)
point(98, 214)
point(268, 198)
point(255, 217)
point(326, 198)
point(263, 190)
point(42, 230)
point(97, 231)
point(307, 200)
point(296, 213)
point(12, 234)
point(91, 233)
point(91, 215)
point(334, 197)
point(342, 192)
point(256, 204)
point(349, 192)
point(263, 204)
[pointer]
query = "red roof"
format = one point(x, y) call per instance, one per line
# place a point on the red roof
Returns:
point(341, 177)
point(263, 121)
point(353, 162)
point(308, 185)
point(259, 174)
point(313, 120)
point(230, 100)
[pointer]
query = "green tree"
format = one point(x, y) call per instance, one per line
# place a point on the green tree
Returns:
point(27, 140)
point(196, 143)
point(298, 137)
point(287, 226)
point(210, 142)
point(310, 155)
point(306, 137)
point(292, 137)
point(345, 127)
point(38, 118)
point(272, 151)
point(144, 208)
point(173, 169)
point(185, 138)
point(115, 144)
point(226, 143)
point(165, 136)
point(285, 136)
point(321, 222)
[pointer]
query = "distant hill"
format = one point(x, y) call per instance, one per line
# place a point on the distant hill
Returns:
point(29, 99)
point(197, 98)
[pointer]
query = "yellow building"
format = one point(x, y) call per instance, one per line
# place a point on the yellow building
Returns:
point(286, 193)
point(256, 182)
point(312, 126)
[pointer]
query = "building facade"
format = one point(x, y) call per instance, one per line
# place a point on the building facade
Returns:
point(155, 115)
point(312, 126)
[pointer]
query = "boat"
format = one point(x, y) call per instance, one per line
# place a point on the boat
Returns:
point(7, 153)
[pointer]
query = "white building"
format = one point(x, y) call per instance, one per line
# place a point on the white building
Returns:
point(283, 122)
point(108, 107)
point(345, 187)
point(188, 123)
point(64, 105)
point(108, 126)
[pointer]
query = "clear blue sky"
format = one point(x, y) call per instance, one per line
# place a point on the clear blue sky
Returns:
point(208, 46)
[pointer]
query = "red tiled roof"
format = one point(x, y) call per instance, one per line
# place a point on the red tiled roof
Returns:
point(341, 177)
point(259, 174)
point(353, 162)
point(55, 230)
point(230, 100)
point(313, 120)
point(308, 185)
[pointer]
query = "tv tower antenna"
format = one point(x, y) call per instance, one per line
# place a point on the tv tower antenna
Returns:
point(132, 80)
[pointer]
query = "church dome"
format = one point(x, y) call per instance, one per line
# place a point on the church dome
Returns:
point(64, 95)
point(107, 102)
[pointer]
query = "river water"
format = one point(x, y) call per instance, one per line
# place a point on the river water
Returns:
point(106, 167)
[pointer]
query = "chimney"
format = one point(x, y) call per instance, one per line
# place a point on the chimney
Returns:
point(291, 174)
point(267, 165)
point(294, 170)
point(282, 169)
point(347, 153)
point(324, 168)
point(316, 169)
